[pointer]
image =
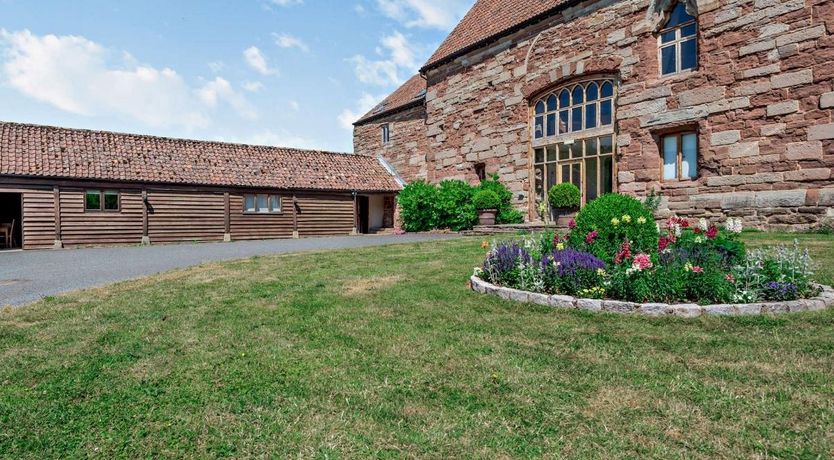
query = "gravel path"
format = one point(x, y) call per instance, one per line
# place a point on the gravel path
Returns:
point(26, 276)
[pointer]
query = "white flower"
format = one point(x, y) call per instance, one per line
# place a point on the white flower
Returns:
point(703, 224)
point(734, 225)
point(699, 239)
point(677, 229)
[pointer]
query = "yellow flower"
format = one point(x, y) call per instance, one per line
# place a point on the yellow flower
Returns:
point(627, 219)
point(600, 272)
point(615, 221)
point(485, 244)
point(560, 246)
point(641, 220)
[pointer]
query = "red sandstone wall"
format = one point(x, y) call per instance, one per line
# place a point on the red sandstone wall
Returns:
point(762, 101)
point(406, 150)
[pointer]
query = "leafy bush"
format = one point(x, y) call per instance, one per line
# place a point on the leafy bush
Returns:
point(455, 205)
point(780, 273)
point(418, 207)
point(486, 199)
point(506, 213)
point(604, 224)
point(564, 195)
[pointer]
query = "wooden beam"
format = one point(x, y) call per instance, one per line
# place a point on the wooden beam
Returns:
point(227, 217)
point(294, 216)
point(56, 193)
point(355, 215)
point(146, 239)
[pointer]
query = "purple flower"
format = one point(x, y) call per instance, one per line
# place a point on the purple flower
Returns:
point(505, 258)
point(778, 290)
point(568, 261)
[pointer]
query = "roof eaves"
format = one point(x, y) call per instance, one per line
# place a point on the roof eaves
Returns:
point(411, 104)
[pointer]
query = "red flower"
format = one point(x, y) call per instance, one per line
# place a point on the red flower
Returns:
point(663, 244)
point(712, 232)
point(590, 237)
point(698, 231)
point(624, 254)
point(684, 223)
point(572, 224)
point(697, 269)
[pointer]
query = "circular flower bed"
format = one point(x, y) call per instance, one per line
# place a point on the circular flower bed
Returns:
point(623, 261)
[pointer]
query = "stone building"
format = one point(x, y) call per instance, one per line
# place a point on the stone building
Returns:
point(724, 106)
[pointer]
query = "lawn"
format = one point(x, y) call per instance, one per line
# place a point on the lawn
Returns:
point(384, 352)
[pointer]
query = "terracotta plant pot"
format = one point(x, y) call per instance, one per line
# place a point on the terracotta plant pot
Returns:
point(487, 216)
point(557, 213)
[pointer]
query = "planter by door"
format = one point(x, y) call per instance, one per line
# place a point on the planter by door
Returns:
point(487, 216)
point(557, 213)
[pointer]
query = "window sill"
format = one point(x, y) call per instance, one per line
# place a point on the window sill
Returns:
point(679, 76)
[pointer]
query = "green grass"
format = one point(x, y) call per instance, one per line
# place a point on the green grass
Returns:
point(384, 352)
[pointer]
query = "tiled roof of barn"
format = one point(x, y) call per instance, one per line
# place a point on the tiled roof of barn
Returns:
point(51, 152)
point(490, 19)
point(412, 91)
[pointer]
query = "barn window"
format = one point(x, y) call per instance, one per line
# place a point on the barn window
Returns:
point(573, 139)
point(678, 42)
point(386, 134)
point(98, 200)
point(262, 204)
point(680, 156)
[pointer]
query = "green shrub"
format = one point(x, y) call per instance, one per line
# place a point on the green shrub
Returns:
point(506, 213)
point(605, 223)
point(486, 199)
point(418, 206)
point(564, 195)
point(455, 205)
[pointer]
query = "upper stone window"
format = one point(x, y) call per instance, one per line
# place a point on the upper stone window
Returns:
point(678, 42)
point(572, 109)
point(386, 134)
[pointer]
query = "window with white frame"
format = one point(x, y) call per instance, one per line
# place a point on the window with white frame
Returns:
point(261, 204)
point(678, 42)
point(386, 134)
point(573, 139)
point(680, 156)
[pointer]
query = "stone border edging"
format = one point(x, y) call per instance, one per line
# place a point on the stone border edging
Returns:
point(821, 302)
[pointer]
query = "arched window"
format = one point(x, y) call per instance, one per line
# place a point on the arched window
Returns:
point(577, 108)
point(678, 42)
point(573, 138)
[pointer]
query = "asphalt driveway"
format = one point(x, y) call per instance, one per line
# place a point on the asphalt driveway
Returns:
point(26, 276)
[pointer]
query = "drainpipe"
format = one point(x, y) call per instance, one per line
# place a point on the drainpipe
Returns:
point(355, 230)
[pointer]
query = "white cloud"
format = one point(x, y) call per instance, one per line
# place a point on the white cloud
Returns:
point(295, 106)
point(219, 90)
point(289, 41)
point(253, 86)
point(398, 64)
point(286, 2)
point(436, 14)
point(82, 77)
point(365, 103)
point(257, 61)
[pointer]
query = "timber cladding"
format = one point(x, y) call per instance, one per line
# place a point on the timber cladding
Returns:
point(171, 215)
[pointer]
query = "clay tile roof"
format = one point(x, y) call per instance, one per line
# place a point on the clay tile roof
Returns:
point(45, 151)
point(411, 92)
point(489, 19)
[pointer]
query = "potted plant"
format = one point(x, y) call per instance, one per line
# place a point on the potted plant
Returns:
point(564, 198)
point(487, 203)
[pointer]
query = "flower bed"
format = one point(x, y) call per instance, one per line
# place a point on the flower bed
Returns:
point(626, 258)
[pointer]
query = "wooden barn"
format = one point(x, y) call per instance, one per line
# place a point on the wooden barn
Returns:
point(69, 187)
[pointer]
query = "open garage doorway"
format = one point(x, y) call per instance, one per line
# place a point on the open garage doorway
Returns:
point(11, 213)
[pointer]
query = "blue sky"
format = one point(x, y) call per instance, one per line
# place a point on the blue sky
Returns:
point(280, 72)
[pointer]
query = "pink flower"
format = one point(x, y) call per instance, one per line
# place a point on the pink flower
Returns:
point(729, 277)
point(590, 237)
point(642, 262)
point(712, 232)
point(697, 269)
point(572, 224)
point(624, 254)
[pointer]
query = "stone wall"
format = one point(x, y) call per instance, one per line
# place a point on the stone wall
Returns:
point(407, 146)
point(761, 101)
